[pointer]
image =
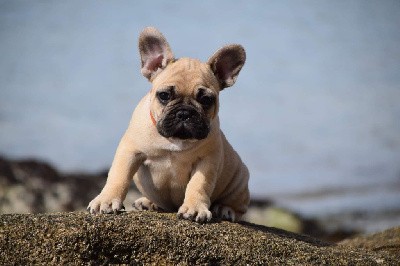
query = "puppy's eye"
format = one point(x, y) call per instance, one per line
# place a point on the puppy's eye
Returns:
point(164, 96)
point(206, 100)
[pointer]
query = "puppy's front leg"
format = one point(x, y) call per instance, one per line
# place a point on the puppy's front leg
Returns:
point(125, 164)
point(198, 192)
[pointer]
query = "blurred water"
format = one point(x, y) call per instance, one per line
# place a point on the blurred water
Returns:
point(315, 110)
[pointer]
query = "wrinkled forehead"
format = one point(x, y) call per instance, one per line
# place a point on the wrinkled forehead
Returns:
point(187, 74)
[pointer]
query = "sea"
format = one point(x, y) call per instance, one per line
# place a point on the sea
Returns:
point(314, 114)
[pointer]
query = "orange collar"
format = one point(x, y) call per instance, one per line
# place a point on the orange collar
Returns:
point(152, 119)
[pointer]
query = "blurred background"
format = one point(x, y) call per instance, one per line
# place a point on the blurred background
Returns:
point(315, 112)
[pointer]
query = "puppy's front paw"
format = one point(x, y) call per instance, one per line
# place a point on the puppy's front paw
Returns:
point(144, 204)
point(200, 213)
point(224, 212)
point(104, 204)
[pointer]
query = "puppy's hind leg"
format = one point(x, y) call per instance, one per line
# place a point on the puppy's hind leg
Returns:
point(144, 204)
point(223, 212)
point(232, 209)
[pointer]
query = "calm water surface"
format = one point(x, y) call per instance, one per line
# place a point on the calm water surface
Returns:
point(315, 112)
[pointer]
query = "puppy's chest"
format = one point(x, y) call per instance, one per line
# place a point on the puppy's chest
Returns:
point(170, 169)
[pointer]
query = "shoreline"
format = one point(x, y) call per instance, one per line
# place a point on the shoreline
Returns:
point(34, 186)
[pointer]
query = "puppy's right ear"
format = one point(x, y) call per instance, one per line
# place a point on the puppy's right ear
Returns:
point(155, 52)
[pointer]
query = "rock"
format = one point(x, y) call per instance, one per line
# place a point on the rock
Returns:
point(387, 242)
point(265, 213)
point(161, 238)
point(32, 186)
point(275, 217)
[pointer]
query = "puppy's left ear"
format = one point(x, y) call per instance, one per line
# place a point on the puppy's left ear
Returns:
point(226, 64)
point(155, 52)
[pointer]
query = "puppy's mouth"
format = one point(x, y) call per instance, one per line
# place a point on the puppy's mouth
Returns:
point(184, 122)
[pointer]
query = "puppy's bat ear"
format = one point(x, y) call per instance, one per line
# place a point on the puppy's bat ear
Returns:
point(226, 64)
point(155, 52)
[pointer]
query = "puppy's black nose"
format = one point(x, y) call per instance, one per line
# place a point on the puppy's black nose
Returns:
point(184, 115)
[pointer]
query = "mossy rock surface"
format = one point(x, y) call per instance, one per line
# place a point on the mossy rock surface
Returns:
point(161, 238)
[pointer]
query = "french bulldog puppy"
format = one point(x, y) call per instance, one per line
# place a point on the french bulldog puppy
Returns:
point(174, 148)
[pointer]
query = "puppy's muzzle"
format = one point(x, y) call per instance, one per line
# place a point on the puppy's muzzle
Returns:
point(184, 115)
point(184, 122)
